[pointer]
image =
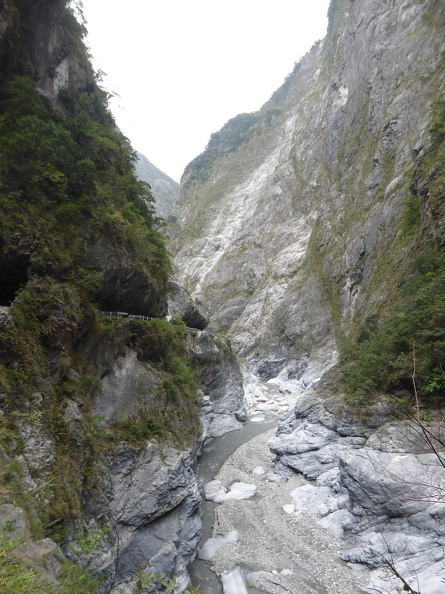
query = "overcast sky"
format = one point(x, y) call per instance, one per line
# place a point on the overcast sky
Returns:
point(182, 68)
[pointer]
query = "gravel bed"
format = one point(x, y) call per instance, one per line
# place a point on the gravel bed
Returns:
point(297, 555)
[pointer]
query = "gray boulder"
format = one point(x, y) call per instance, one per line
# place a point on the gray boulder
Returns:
point(376, 486)
point(182, 306)
point(221, 383)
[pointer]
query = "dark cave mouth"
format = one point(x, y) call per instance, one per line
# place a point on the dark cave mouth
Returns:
point(13, 275)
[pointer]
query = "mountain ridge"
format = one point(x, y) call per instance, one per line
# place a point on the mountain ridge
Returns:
point(164, 188)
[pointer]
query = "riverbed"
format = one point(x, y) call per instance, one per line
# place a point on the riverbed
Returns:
point(213, 457)
point(278, 550)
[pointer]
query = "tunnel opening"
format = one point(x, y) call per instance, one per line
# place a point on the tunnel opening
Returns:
point(13, 275)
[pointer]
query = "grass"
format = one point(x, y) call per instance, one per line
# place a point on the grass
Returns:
point(20, 576)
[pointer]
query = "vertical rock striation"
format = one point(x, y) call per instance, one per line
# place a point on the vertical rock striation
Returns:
point(288, 225)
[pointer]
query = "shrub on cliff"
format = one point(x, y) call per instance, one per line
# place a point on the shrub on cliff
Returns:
point(406, 344)
point(67, 174)
point(385, 353)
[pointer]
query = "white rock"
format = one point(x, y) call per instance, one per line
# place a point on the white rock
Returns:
point(318, 500)
point(289, 508)
point(212, 489)
point(237, 491)
point(258, 419)
point(254, 576)
point(212, 545)
point(5, 315)
point(258, 471)
point(272, 477)
point(222, 424)
point(336, 522)
point(233, 582)
point(434, 584)
point(267, 407)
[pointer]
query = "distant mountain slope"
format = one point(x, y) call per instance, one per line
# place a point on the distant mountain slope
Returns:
point(164, 188)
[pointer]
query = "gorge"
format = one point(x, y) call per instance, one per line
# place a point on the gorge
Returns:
point(297, 228)
point(308, 291)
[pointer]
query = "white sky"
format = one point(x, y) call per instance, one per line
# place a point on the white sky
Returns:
point(182, 68)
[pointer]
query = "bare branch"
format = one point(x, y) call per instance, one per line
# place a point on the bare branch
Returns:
point(413, 377)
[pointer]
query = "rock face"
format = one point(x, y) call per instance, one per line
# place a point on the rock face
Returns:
point(182, 306)
point(150, 501)
point(221, 383)
point(41, 42)
point(148, 497)
point(288, 221)
point(43, 554)
point(129, 289)
point(50, 56)
point(284, 224)
point(376, 486)
point(109, 406)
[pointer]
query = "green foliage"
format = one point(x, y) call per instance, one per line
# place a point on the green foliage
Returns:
point(410, 333)
point(139, 428)
point(66, 175)
point(45, 311)
point(385, 352)
point(147, 583)
point(235, 132)
point(46, 315)
point(157, 338)
point(181, 381)
point(144, 582)
point(172, 412)
point(75, 580)
point(435, 14)
point(412, 215)
point(438, 127)
point(66, 183)
point(18, 576)
point(88, 542)
point(333, 10)
point(429, 178)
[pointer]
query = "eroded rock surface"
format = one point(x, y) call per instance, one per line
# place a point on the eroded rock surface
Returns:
point(376, 486)
point(182, 306)
point(149, 495)
point(288, 225)
point(221, 382)
point(276, 551)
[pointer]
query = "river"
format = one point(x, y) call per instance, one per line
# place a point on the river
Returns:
point(214, 455)
point(293, 554)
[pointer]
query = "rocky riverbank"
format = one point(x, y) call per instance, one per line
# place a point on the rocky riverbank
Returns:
point(374, 495)
point(277, 549)
point(378, 485)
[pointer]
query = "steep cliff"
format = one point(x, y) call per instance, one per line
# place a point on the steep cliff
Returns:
point(299, 222)
point(100, 415)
